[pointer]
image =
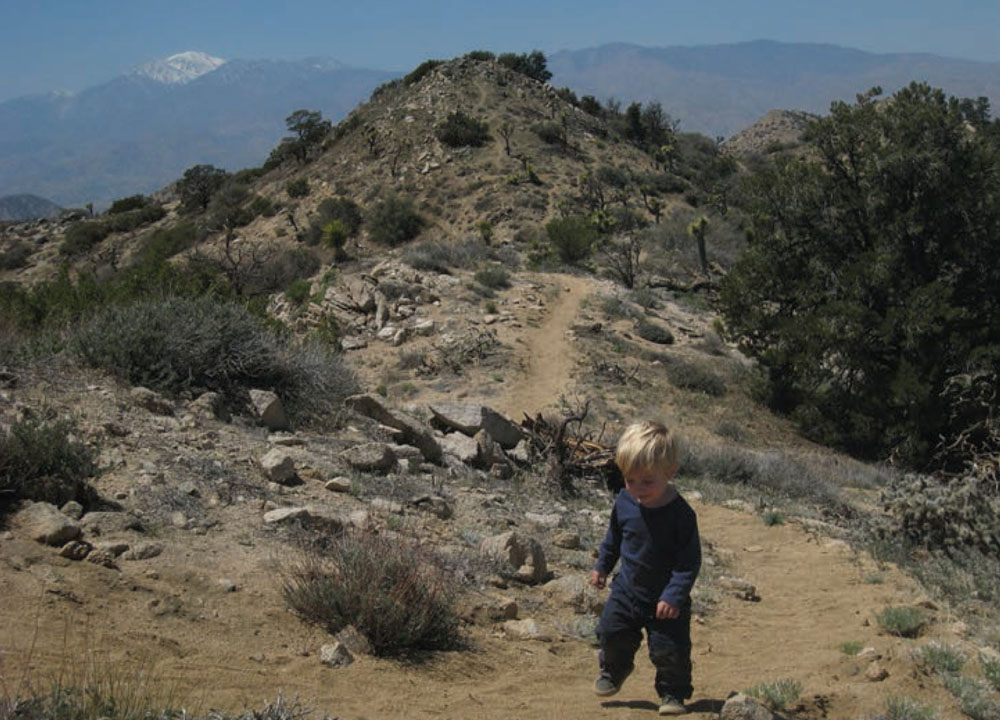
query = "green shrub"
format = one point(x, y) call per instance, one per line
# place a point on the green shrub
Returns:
point(16, 256)
point(773, 517)
point(132, 219)
point(901, 621)
point(572, 237)
point(691, 376)
point(298, 291)
point(298, 188)
point(44, 462)
point(654, 333)
point(991, 671)
point(420, 71)
point(549, 132)
point(344, 212)
point(82, 236)
point(461, 130)
point(904, 708)
point(481, 55)
point(133, 202)
point(973, 697)
point(779, 694)
point(943, 658)
point(176, 344)
point(441, 257)
point(493, 277)
point(396, 593)
point(852, 647)
point(393, 221)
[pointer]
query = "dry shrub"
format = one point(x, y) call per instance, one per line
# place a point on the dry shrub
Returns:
point(398, 594)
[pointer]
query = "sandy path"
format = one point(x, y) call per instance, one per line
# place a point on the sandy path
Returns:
point(550, 357)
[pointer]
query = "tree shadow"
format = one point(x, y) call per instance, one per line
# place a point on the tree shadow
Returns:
point(705, 705)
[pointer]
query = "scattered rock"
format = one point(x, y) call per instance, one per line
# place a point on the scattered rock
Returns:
point(524, 556)
point(743, 589)
point(567, 540)
point(338, 484)
point(144, 551)
point(502, 429)
point(76, 550)
point(110, 523)
point(210, 406)
point(415, 433)
point(876, 673)
point(151, 401)
point(370, 457)
point(72, 509)
point(42, 522)
point(573, 591)
point(286, 514)
point(268, 410)
point(335, 655)
point(467, 419)
point(351, 638)
point(527, 629)
point(741, 707)
point(278, 467)
point(434, 504)
point(545, 520)
point(461, 446)
point(227, 585)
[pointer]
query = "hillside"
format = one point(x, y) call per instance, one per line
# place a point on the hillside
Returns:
point(26, 207)
point(175, 572)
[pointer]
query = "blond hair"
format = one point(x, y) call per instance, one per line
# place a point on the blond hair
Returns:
point(647, 444)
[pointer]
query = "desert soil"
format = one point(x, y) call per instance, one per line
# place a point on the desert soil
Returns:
point(215, 648)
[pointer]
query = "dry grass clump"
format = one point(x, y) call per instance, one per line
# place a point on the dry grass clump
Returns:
point(398, 594)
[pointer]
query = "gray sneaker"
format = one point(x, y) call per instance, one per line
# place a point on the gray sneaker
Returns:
point(669, 705)
point(605, 685)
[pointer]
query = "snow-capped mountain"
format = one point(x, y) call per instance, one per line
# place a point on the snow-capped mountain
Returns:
point(180, 68)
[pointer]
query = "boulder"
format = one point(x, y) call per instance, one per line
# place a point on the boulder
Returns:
point(370, 457)
point(414, 432)
point(461, 446)
point(466, 419)
point(278, 467)
point(502, 429)
point(335, 655)
point(741, 707)
point(110, 523)
point(523, 557)
point(268, 410)
point(573, 591)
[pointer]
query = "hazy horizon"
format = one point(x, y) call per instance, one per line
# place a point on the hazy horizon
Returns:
point(63, 45)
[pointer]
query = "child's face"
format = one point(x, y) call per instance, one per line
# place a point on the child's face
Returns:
point(649, 485)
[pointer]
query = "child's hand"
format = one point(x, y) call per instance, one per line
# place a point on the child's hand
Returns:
point(597, 579)
point(666, 611)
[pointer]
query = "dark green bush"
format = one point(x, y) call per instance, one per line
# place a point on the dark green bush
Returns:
point(298, 188)
point(298, 291)
point(130, 220)
point(81, 237)
point(461, 130)
point(690, 376)
point(16, 256)
point(133, 202)
point(654, 333)
point(481, 55)
point(493, 277)
point(396, 593)
point(345, 212)
point(549, 132)
point(902, 621)
point(176, 344)
point(393, 221)
point(572, 237)
point(420, 71)
point(42, 461)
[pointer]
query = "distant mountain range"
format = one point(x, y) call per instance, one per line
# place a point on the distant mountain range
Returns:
point(721, 89)
point(26, 207)
point(140, 131)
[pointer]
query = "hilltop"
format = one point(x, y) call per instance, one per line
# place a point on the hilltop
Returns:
point(214, 491)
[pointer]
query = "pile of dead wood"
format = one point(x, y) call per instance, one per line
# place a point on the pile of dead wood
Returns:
point(571, 455)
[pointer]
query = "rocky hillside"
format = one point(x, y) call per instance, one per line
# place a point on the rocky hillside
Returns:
point(201, 552)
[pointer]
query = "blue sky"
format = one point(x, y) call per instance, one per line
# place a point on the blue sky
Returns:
point(73, 44)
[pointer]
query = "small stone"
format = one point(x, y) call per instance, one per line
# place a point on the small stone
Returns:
point(278, 467)
point(335, 655)
point(354, 641)
point(227, 585)
point(268, 409)
point(143, 551)
point(72, 509)
point(75, 550)
point(527, 629)
point(338, 484)
point(876, 673)
point(741, 707)
point(285, 515)
point(566, 540)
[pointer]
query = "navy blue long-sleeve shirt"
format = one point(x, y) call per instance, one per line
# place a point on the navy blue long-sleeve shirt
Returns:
point(659, 548)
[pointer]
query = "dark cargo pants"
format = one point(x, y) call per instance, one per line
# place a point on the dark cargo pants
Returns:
point(669, 641)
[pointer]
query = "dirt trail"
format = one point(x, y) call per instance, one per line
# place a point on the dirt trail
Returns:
point(550, 357)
